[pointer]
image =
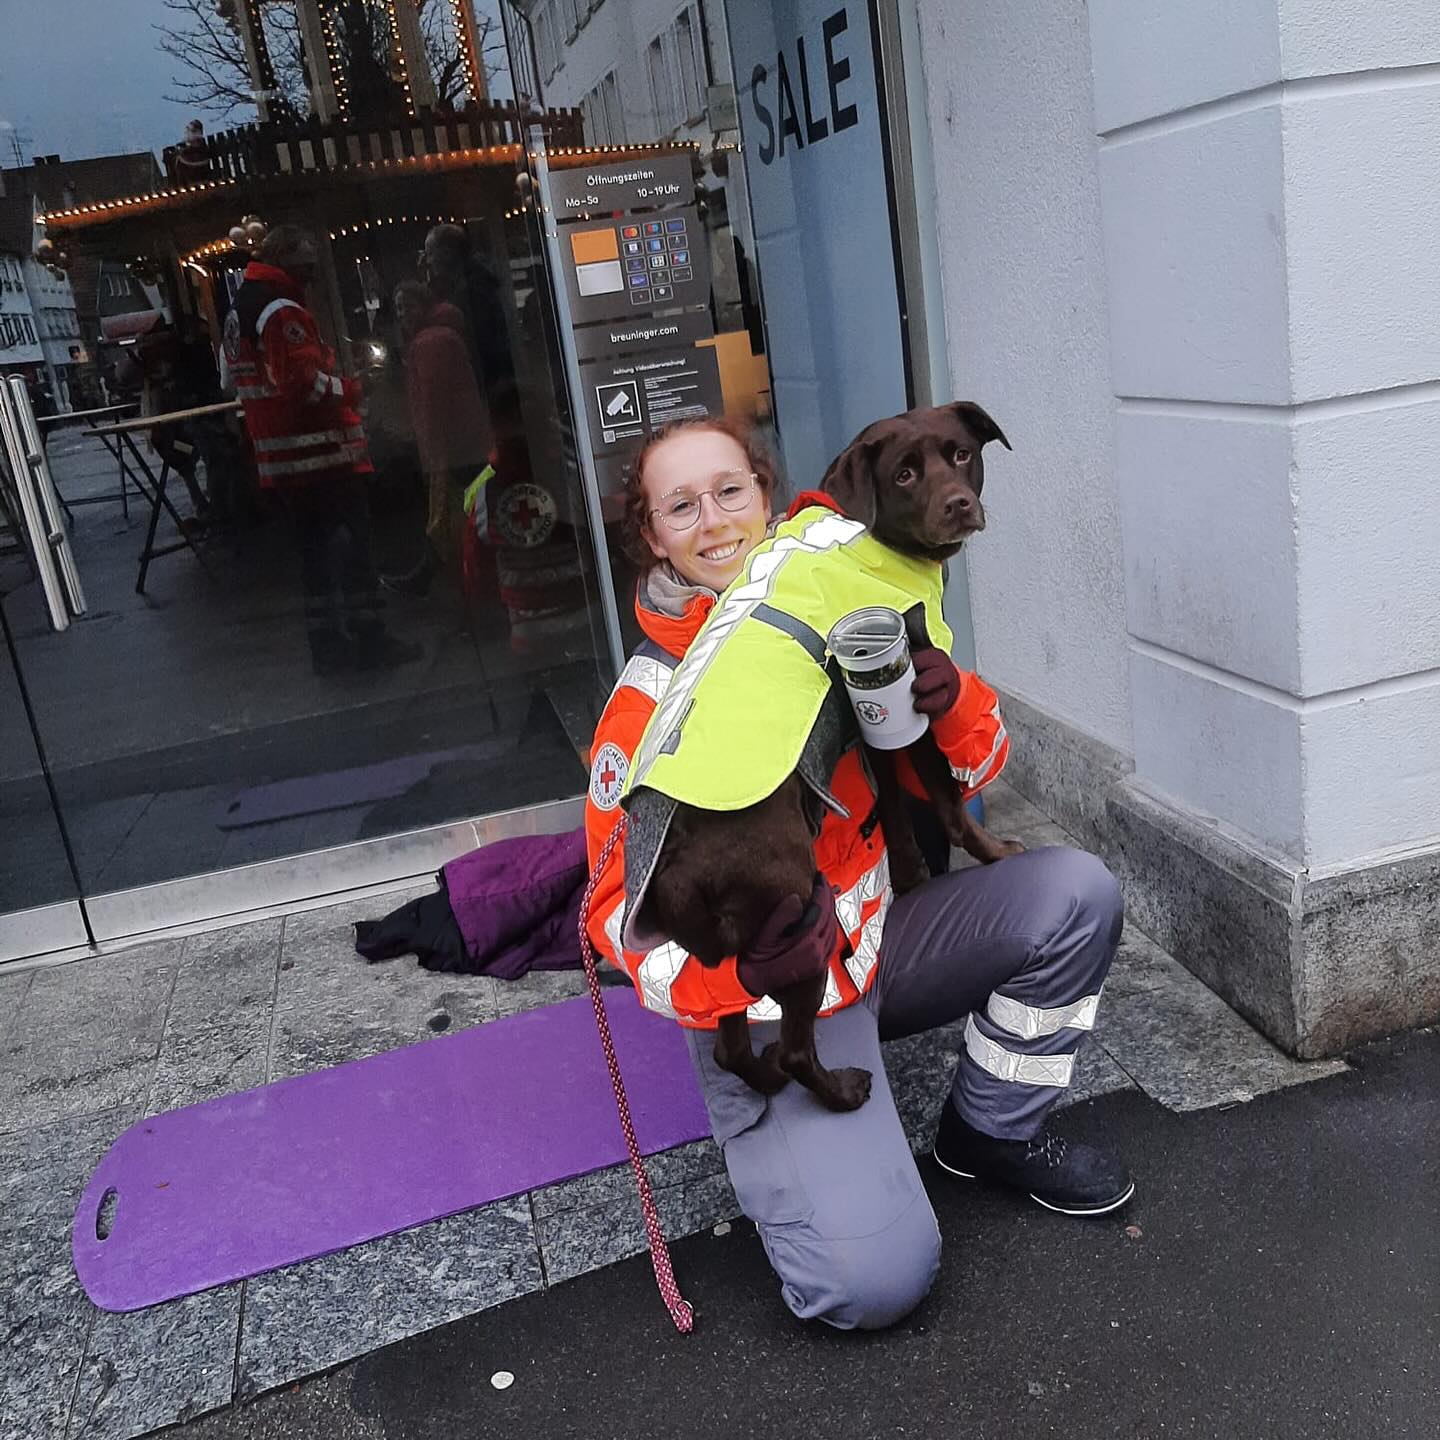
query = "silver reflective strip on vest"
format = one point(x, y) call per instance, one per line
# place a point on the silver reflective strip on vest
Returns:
point(661, 967)
point(273, 308)
point(647, 675)
point(849, 906)
point(767, 1008)
point(1003, 1064)
point(658, 970)
point(867, 953)
point(326, 385)
point(255, 392)
point(273, 443)
point(335, 460)
point(825, 533)
point(1029, 1022)
point(975, 776)
point(872, 884)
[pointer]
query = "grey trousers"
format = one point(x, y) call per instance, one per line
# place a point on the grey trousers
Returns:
point(1022, 947)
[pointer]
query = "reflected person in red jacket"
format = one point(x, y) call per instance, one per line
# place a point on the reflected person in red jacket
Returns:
point(309, 444)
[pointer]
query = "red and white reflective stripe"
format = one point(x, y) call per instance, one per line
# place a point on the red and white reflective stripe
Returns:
point(973, 777)
point(865, 938)
point(1029, 1022)
point(647, 675)
point(767, 1008)
point(332, 460)
point(308, 439)
point(867, 950)
point(326, 386)
point(256, 392)
point(659, 968)
point(273, 308)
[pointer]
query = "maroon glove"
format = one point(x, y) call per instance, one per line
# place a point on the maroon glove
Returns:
point(794, 944)
point(937, 681)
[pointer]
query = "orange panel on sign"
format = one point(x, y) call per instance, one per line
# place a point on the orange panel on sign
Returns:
point(592, 245)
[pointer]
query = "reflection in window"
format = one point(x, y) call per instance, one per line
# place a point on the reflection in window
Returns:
point(691, 91)
point(545, 42)
point(662, 91)
point(614, 115)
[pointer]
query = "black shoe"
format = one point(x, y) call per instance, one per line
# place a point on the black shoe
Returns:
point(1059, 1174)
point(384, 652)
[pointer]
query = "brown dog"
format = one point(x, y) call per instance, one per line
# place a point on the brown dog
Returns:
point(914, 481)
point(721, 877)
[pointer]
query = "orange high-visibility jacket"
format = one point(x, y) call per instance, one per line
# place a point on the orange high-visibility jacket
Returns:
point(850, 853)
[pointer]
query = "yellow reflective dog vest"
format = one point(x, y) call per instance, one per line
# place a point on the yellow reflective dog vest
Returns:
point(740, 706)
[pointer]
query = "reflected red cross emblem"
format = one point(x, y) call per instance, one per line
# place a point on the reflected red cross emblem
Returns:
point(526, 515)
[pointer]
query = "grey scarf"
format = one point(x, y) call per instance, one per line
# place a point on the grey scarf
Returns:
point(666, 592)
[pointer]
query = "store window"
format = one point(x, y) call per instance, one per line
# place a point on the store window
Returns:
point(320, 631)
point(691, 64)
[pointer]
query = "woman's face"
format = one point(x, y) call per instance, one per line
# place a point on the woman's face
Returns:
point(682, 479)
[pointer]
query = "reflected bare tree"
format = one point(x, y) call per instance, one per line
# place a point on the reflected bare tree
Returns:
point(213, 76)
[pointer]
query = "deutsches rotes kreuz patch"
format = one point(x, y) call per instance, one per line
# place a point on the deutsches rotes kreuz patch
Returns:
point(295, 332)
point(607, 777)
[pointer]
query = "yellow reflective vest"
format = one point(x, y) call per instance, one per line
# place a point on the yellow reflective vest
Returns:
point(741, 704)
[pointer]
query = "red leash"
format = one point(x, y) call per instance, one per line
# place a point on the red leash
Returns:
point(681, 1311)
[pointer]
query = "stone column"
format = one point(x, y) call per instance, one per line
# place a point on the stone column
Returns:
point(1270, 210)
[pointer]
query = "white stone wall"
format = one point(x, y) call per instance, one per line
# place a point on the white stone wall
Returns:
point(1270, 207)
point(1009, 97)
point(1190, 259)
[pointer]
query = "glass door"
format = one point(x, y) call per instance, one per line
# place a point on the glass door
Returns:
point(317, 624)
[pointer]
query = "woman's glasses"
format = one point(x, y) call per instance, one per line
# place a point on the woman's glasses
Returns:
point(731, 491)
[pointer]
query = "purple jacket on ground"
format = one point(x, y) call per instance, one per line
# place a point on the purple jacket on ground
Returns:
point(501, 910)
point(517, 902)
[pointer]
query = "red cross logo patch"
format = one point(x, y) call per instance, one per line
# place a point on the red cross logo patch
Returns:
point(607, 777)
point(525, 515)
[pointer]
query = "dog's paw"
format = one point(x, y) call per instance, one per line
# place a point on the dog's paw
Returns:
point(850, 1090)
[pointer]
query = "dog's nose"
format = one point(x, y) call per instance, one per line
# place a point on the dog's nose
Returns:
point(960, 506)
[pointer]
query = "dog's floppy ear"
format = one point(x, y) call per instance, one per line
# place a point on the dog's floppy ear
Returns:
point(851, 479)
point(979, 422)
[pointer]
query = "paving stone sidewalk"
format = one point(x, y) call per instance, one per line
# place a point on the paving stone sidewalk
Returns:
point(88, 1048)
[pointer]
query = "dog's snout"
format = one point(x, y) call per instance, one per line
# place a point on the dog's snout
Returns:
point(961, 505)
